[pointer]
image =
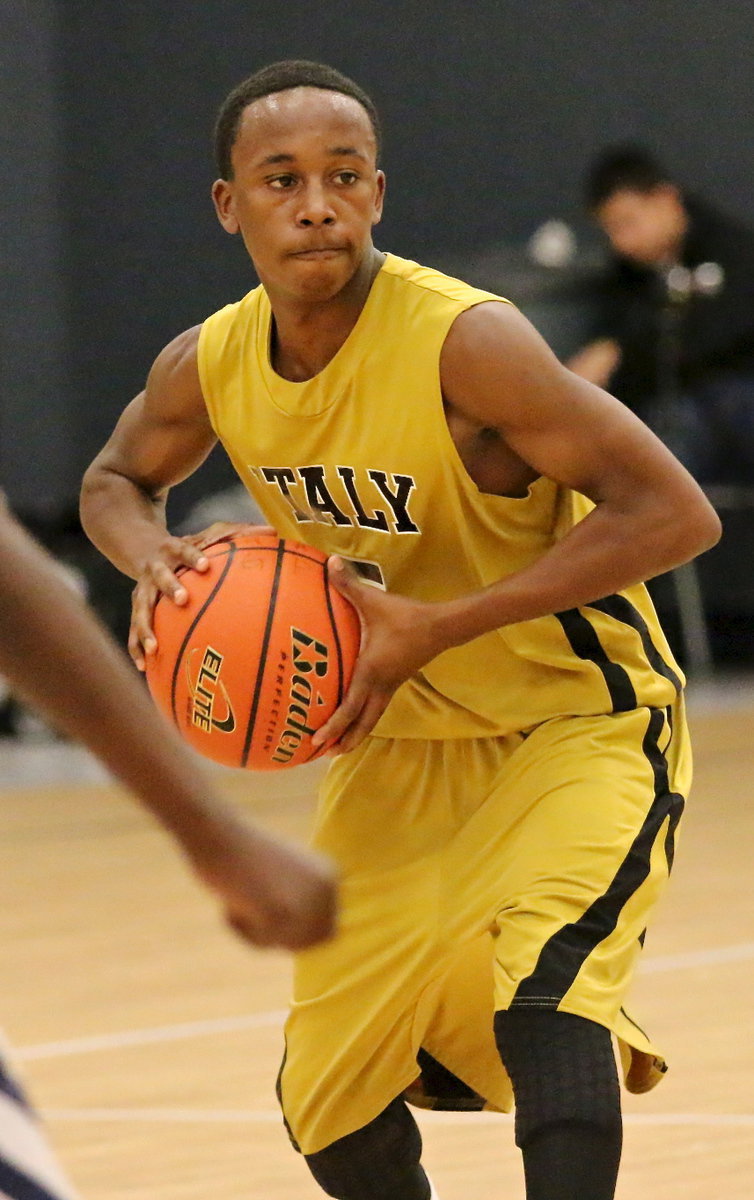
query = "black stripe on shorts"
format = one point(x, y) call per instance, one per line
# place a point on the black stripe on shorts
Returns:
point(563, 956)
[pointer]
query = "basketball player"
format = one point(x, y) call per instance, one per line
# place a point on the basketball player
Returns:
point(53, 651)
point(513, 753)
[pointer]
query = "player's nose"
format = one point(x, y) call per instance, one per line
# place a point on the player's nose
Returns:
point(315, 207)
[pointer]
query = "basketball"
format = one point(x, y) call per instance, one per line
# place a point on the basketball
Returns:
point(259, 657)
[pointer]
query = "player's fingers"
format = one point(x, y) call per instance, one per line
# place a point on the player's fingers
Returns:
point(189, 554)
point(302, 934)
point(345, 578)
point(251, 930)
point(363, 725)
point(141, 638)
point(167, 582)
point(306, 925)
point(213, 533)
point(323, 923)
point(347, 712)
point(289, 931)
point(223, 531)
point(136, 649)
point(219, 531)
point(315, 912)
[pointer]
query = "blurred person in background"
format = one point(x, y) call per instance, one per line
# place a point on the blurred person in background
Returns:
point(674, 334)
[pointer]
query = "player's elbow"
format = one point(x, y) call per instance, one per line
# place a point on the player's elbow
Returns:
point(104, 499)
point(712, 528)
point(95, 486)
point(700, 528)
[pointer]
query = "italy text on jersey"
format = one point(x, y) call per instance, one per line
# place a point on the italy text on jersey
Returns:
point(377, 499)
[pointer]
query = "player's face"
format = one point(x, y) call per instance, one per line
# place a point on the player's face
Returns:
point(644, 226)
point(305, 192)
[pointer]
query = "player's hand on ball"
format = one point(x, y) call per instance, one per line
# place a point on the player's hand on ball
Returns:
point(399, 637)
point(223, 531)
point(273, 894)
point(159, 577)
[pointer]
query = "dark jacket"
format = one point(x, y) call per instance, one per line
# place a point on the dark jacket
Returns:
point(681, 341)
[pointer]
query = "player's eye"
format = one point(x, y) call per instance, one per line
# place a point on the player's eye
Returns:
point(346, 177)
point(282, 182)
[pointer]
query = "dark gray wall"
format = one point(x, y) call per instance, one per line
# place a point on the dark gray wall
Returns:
point(491, 112)
point(34, 387)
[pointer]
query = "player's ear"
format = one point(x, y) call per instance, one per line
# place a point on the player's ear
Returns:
point(379, 197)
point(222, 197)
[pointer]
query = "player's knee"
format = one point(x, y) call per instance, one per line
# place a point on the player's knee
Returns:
point(562, 1068)
point(378, 1162)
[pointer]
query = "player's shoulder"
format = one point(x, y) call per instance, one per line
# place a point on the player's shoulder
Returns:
point(228, 327)
point(232, 312)
point(173, 382)
point(179, 353)
point(404, 273)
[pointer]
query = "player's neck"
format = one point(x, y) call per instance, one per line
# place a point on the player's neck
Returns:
point(305, 335)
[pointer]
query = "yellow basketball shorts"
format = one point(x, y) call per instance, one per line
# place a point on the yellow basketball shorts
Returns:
point(477, 875)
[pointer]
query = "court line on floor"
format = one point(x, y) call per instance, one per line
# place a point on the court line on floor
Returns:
point(742, 952)
point(272, 1116)
point(142, 1037)
point(697, 958)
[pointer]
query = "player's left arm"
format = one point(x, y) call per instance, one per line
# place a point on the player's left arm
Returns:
point(649, 515)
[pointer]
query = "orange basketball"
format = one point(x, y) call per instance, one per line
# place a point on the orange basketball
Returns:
point(260, 656)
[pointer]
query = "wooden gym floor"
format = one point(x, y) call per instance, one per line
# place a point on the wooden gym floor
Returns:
point(150, 1038)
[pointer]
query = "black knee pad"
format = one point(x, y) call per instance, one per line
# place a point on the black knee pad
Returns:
point(378, 1162)
point(562, 1068)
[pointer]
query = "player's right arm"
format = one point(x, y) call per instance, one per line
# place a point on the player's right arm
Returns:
point(162, 437)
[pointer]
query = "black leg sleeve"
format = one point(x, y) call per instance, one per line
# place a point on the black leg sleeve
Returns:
point(378, 1162)
point(568, 1119)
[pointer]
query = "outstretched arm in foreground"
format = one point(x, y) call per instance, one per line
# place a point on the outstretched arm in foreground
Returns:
point(55, 653)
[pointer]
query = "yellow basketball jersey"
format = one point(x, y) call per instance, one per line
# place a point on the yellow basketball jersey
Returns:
point(359, 461)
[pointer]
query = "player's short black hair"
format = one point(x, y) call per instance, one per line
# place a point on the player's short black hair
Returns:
point(627, 167)
point(279, 77)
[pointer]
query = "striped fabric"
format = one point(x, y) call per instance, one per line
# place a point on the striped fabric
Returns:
point(28, 1168)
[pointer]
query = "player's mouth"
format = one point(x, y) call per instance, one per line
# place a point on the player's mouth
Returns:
point(318, 253)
